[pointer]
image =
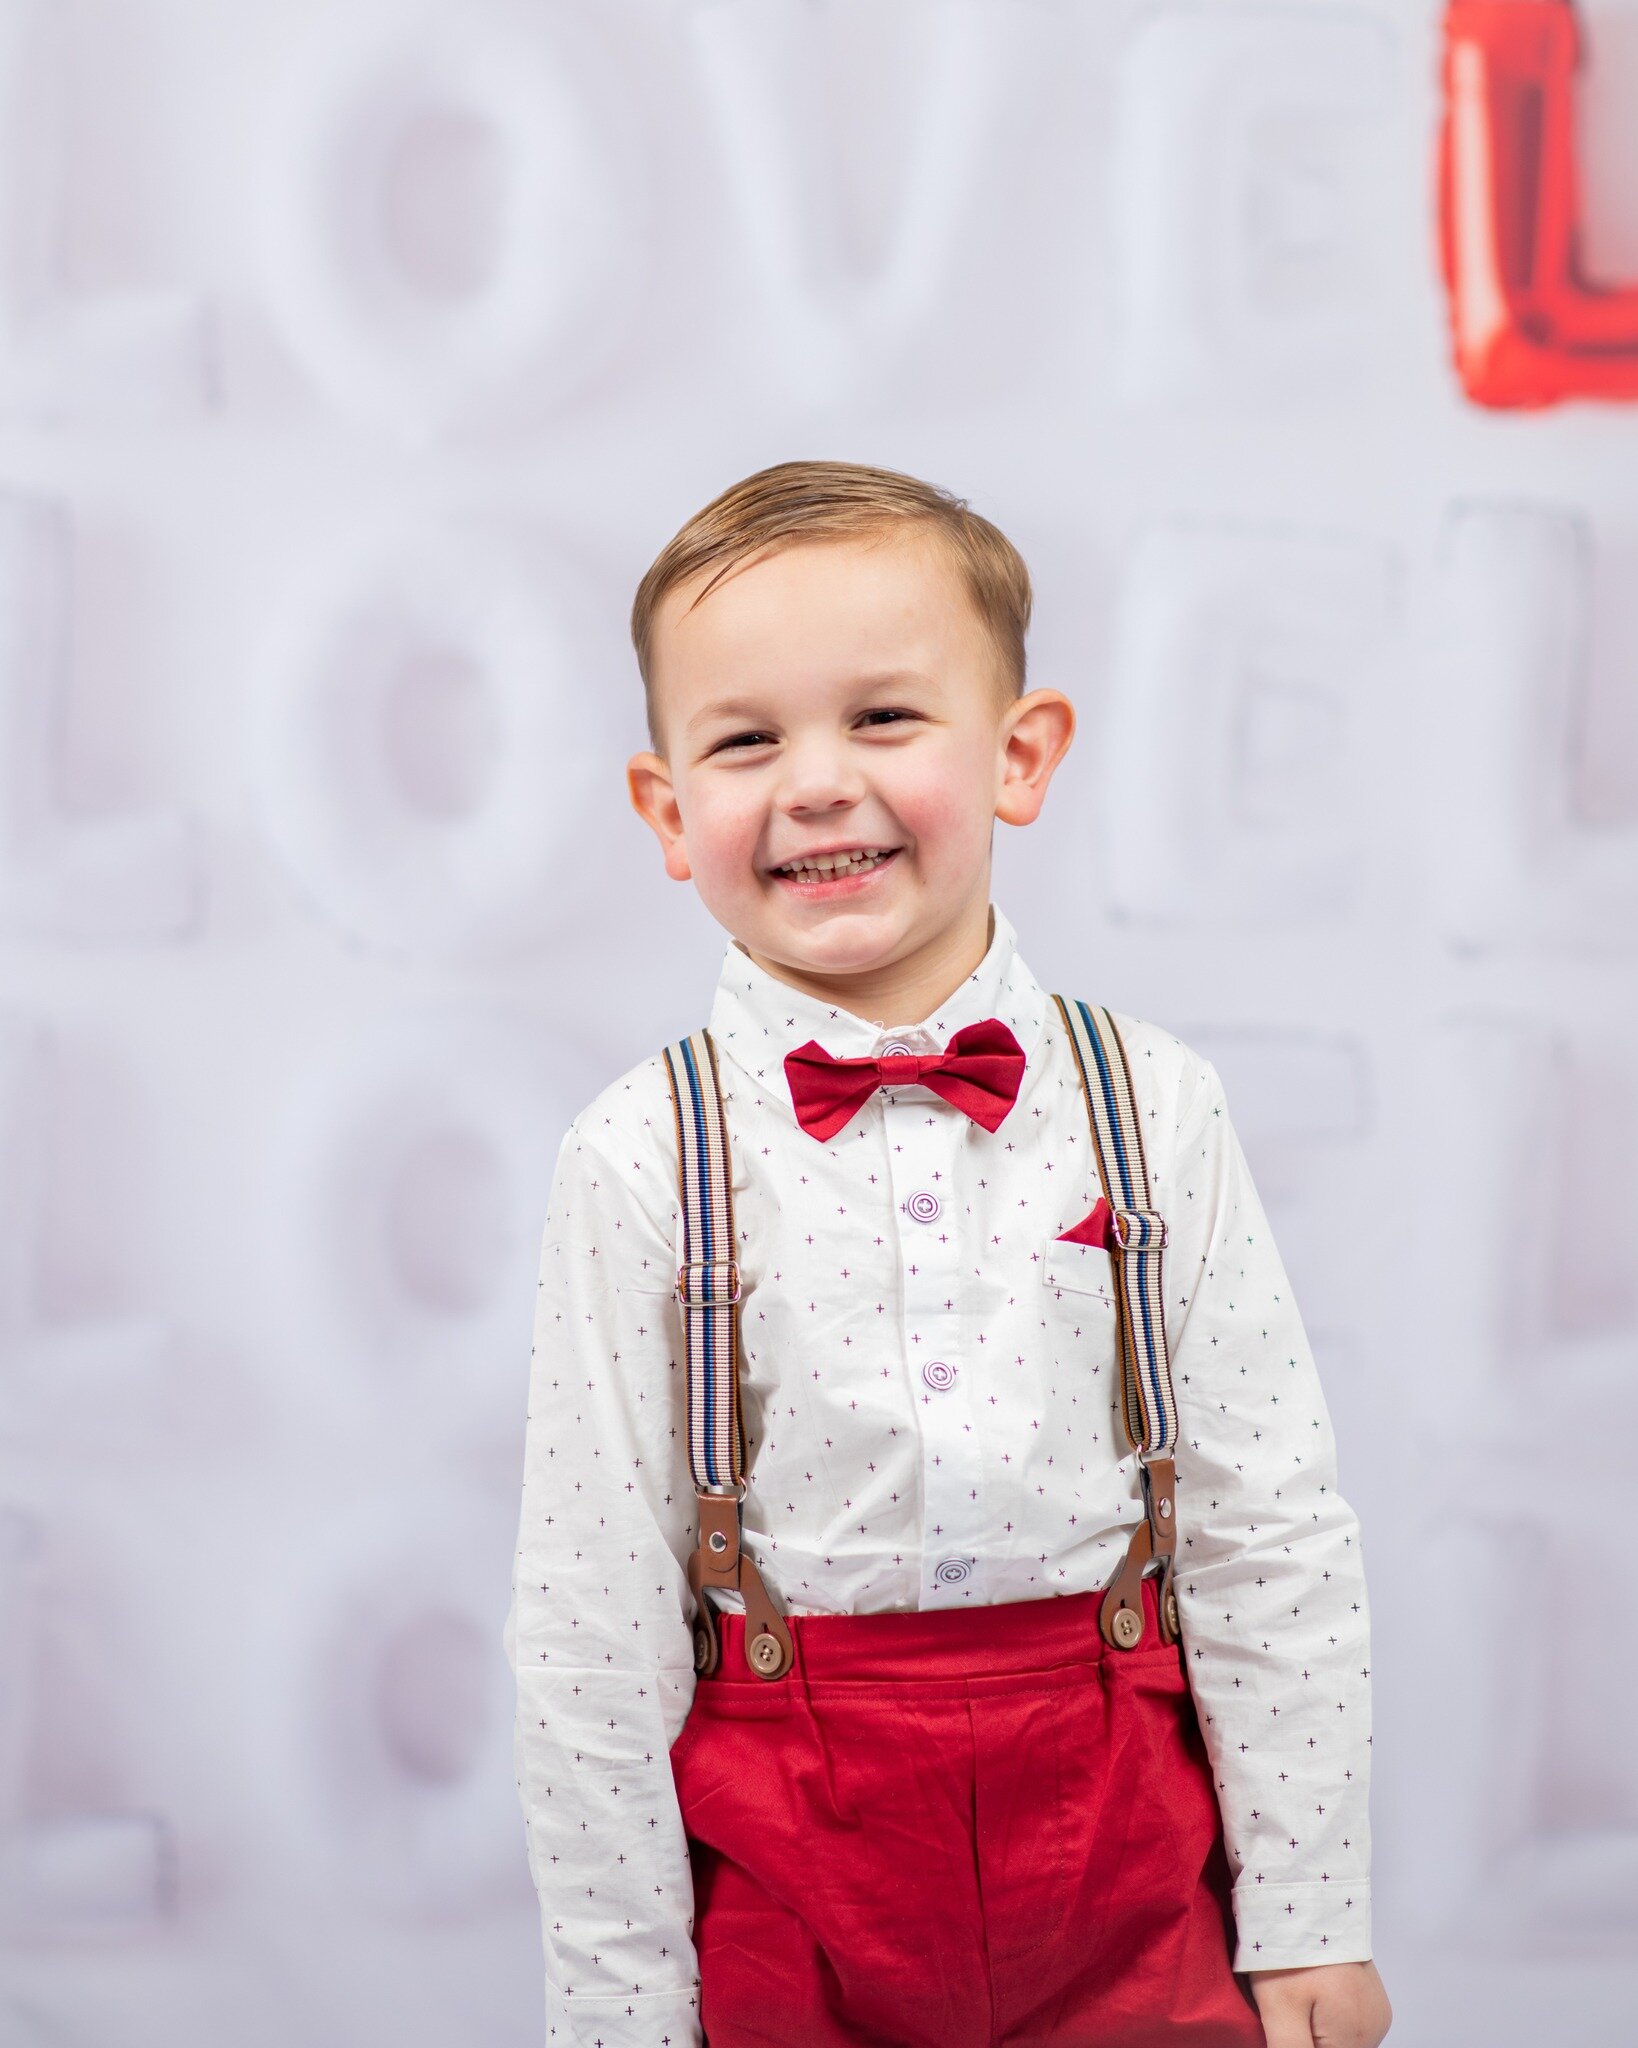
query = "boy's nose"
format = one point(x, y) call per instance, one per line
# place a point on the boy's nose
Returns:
point(819, 775)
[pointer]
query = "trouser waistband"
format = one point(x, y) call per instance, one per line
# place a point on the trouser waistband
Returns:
point(943, 1642)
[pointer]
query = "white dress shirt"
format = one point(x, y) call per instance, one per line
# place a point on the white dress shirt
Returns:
point(930, 1399)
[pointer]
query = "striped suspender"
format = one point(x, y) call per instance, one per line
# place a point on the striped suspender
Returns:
point(1139, 1233)
point(1136, 1244)
point(708, 1290)
point(708, 1282)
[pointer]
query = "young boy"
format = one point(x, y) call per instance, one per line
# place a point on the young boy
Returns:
point(850, 1708)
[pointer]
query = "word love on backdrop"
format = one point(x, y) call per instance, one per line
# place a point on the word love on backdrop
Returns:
point(1529, 327)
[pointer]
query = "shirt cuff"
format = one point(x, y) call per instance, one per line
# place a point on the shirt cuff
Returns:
point(1292, 1926)
point(647, 2019)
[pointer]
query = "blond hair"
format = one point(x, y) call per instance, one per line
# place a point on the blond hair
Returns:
point(812, 501)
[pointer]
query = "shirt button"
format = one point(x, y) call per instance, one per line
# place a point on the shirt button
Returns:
point(937, 1374)
point(950, 1571)
point(923, 1206)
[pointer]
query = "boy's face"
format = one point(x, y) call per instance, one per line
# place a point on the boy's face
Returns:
point(841, 694)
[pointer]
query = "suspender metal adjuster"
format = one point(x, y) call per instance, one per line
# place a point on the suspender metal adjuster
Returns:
point(707, 1294)
point(1138, 1229)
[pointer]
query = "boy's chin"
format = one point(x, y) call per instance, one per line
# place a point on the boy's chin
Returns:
point(841, 939)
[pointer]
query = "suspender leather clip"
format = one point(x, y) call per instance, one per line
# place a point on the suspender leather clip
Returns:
point(1154, 1541)
point(1160, 1501)
point(719, 1560)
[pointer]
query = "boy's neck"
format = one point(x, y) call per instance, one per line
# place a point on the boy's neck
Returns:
point(905, 991)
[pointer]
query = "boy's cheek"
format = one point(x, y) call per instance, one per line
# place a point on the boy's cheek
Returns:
point(945, 818)
point(722, 837)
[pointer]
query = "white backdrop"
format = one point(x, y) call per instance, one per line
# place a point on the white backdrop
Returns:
point(354, 362)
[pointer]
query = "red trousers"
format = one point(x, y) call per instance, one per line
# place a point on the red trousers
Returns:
point(960, 1828)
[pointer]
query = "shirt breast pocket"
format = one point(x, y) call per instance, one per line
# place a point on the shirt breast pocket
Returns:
point(1078, 1310)
point(1081, 1268)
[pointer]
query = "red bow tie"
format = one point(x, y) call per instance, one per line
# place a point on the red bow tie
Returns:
point(978, 1071)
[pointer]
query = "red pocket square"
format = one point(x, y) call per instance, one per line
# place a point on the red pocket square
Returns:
point(1093, 1227)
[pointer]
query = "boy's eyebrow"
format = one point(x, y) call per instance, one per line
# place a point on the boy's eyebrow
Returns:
point(746, 707)
point(726, 707)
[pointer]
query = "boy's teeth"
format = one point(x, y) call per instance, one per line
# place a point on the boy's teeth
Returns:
point(827, 864)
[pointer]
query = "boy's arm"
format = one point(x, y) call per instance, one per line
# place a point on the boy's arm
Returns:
point(1269, 1576)
point(598, 1630)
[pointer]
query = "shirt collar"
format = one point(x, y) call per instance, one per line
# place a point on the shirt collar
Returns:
point(756, 1018)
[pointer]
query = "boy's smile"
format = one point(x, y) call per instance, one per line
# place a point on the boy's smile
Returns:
point(840, 735)
point(829, 871)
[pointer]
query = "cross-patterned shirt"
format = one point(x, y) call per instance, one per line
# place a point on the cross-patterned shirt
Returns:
point(931, 1411)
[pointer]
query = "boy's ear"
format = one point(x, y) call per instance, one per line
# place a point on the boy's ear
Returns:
point(1039, 729)
point(653, 798)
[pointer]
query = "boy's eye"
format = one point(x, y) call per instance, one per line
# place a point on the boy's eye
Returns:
point(739, 740)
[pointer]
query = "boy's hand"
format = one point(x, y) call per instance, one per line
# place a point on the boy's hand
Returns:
point(1327, 2005)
